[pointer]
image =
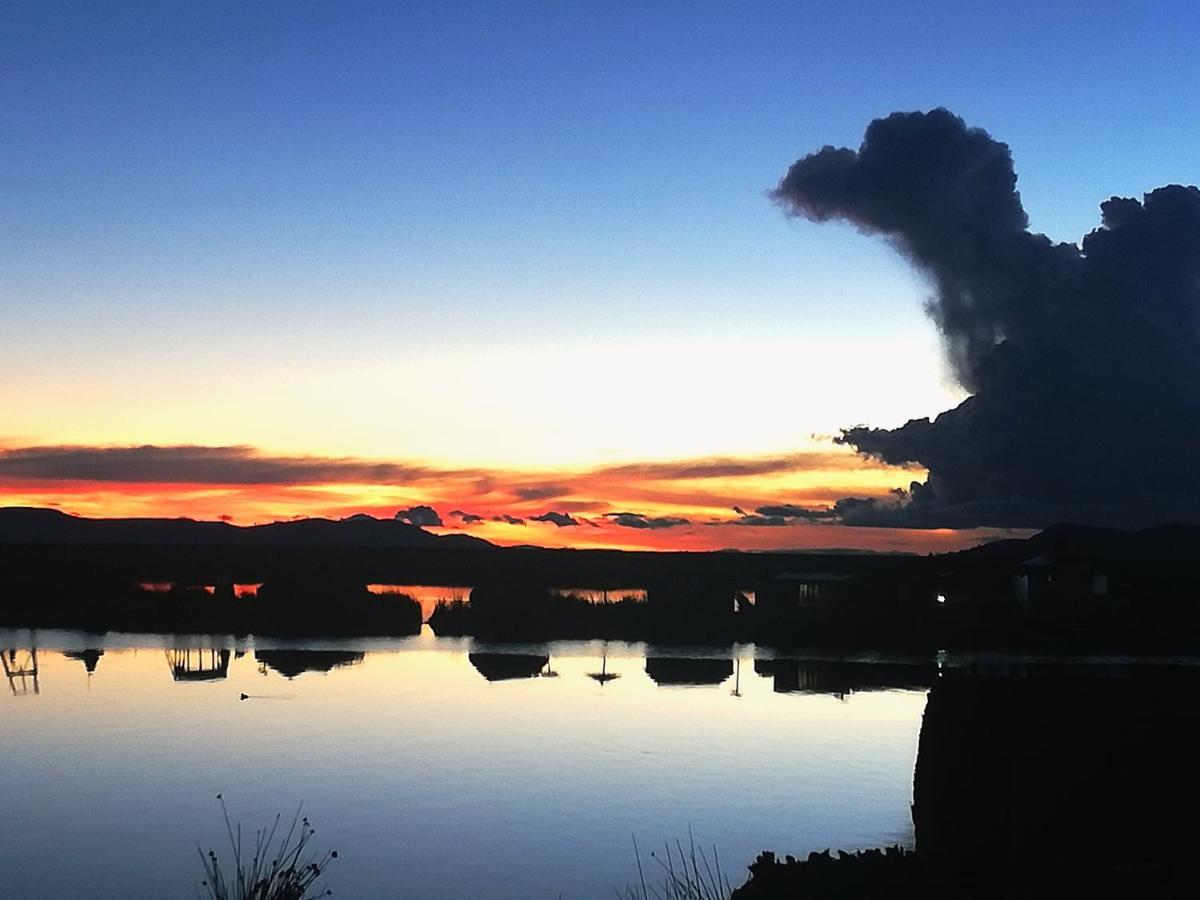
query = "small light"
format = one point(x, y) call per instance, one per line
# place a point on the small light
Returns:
point(941, 598)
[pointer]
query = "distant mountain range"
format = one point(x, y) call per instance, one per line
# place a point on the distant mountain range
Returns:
point(24, 525)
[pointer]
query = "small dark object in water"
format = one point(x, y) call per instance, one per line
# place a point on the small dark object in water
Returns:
point(244, 697)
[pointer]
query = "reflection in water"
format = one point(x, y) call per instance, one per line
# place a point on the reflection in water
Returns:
point(197, 664)
point(21, 670)
point(682, 671)
point(839, 678)
point(505, 666)
point(90, 657)
point(290, 663)
point(415, 749)
point(603, 676)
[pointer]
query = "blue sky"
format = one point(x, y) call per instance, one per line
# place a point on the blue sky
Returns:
point(200, 198)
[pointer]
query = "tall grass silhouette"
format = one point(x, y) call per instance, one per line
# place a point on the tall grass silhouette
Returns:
point(281, 866)
point(684, 873)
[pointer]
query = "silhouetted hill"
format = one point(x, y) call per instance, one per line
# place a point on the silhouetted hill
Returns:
point(49, 526)
point(1163, 542)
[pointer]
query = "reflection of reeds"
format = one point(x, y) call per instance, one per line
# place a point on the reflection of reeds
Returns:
point(283, 872)
point(685, 873)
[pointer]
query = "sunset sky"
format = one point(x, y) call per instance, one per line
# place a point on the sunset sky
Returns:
point(288, 259)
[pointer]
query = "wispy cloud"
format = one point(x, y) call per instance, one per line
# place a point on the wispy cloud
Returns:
point(540, 491)
point(196, 465)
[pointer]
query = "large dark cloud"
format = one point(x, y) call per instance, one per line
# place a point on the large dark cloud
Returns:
point(643, 521)
point(1083, 361)
point(561, 520)
point(420, 515)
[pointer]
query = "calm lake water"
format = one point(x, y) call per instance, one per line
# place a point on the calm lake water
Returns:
point(432, 774)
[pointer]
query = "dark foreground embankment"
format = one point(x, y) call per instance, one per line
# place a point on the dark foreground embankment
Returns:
point(1071, 783)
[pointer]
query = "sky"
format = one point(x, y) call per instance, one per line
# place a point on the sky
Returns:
point(512, 259)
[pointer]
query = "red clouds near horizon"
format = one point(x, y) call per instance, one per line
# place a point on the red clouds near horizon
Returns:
point(663, 505)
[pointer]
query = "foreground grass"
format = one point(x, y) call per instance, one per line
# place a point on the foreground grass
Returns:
point(283, 870)
point(683, 873)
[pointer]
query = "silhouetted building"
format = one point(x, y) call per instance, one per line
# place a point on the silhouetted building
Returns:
point(1057, 588)
point(792, 592)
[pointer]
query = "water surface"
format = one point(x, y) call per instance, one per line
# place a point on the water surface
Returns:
point(439, 768)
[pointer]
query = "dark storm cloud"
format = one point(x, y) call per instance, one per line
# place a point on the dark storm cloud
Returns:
point(465, 517)
point(640, 520)
point(561, 520)
point(1083, 361)
point(193, 465)
point(1004, 513)
point(420, 515)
